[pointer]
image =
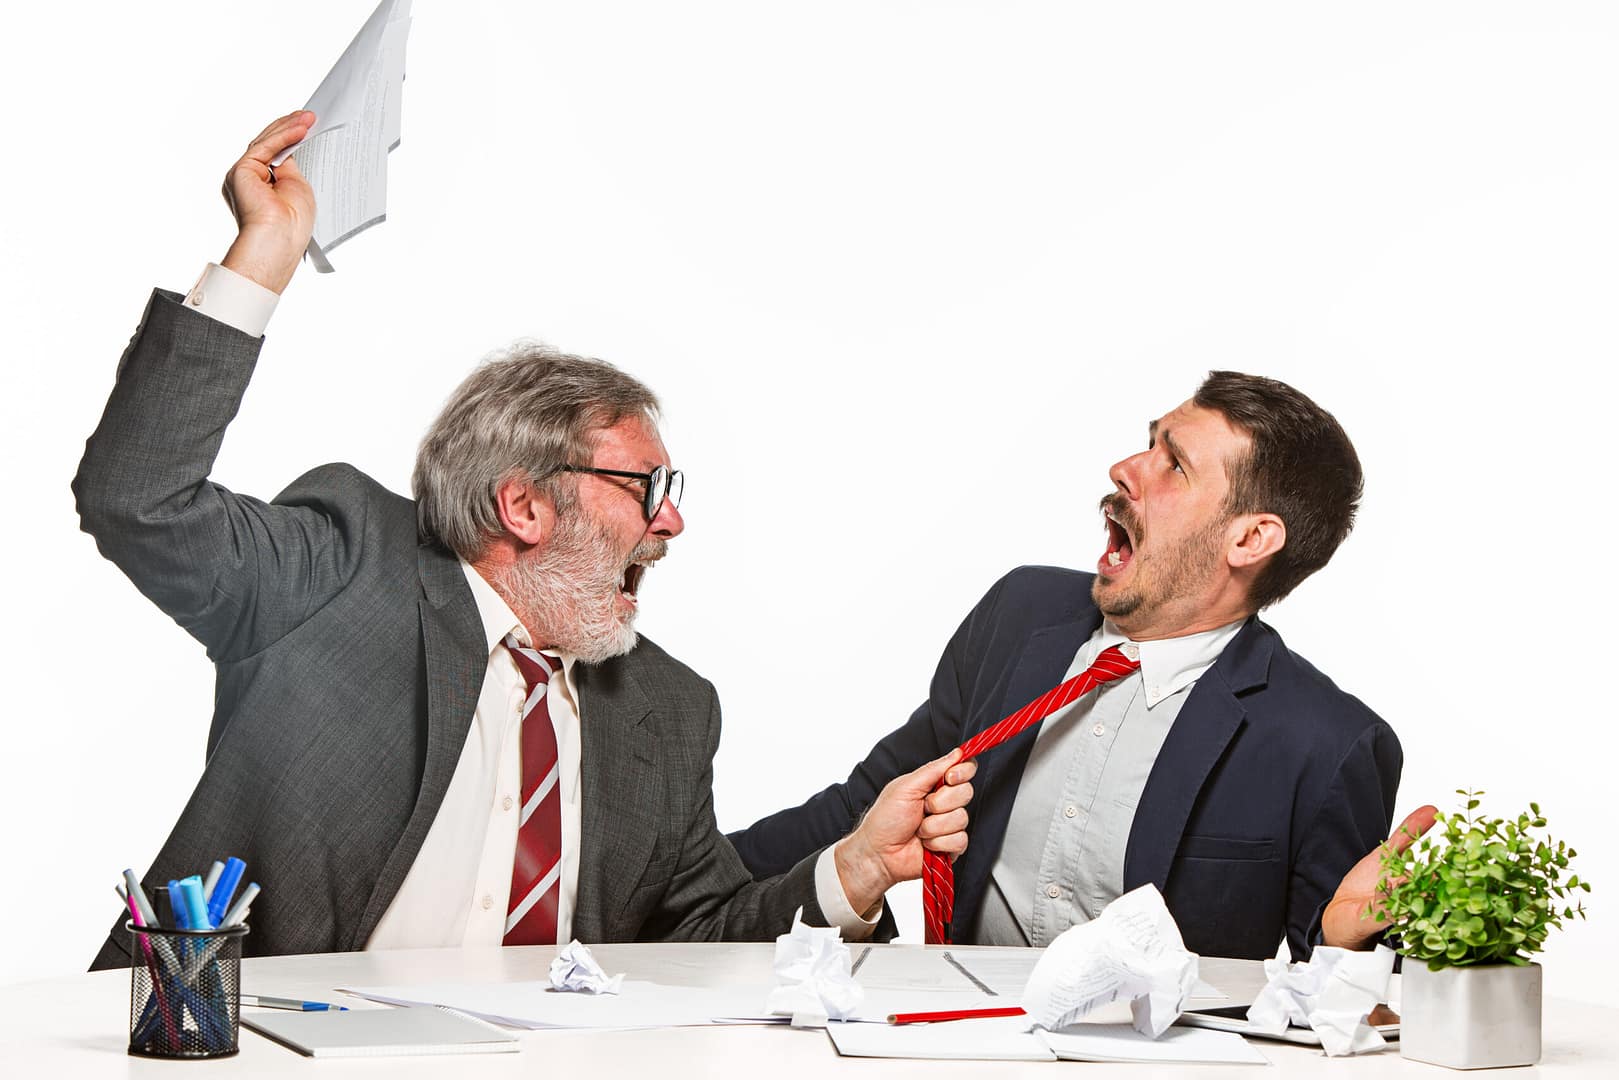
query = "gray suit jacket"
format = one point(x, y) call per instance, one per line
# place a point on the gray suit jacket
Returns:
point(349, 659)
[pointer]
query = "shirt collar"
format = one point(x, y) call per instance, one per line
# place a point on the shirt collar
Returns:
point(1168, 665)
point(498, 620)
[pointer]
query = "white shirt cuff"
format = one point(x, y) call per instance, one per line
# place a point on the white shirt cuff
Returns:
point(228, 297)
point(835, 905)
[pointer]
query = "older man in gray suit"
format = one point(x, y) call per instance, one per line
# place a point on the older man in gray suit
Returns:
point(434, 723)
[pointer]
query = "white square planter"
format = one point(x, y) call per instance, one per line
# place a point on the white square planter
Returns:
point(1483, 1017)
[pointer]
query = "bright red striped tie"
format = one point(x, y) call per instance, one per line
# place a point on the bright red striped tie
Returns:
point(938, 879)
point(531, 913)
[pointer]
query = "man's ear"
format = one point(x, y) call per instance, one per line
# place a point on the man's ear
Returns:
point(525, 511)
point(1261, 536)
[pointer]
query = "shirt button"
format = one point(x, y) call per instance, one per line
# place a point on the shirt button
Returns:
point(1099, 730)
point(195, 298)
point(1070, 811)
point(1131, 650)
point(487, 902)
point(1053, 891)
point(506, 803)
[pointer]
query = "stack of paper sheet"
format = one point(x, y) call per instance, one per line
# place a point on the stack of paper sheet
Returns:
point(345, 155)
point(641, 1004)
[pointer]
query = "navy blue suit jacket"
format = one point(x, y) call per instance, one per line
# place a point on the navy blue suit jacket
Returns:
point(1271, 785)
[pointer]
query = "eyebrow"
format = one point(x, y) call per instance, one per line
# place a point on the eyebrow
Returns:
point(1169, 441)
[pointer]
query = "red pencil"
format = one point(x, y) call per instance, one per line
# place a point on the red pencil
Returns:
point(953, 1014)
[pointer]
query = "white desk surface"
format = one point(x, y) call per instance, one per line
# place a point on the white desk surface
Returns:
point(63, 1029)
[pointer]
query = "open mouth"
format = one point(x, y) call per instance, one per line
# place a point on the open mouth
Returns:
point(631, 581)
point(1119, 545)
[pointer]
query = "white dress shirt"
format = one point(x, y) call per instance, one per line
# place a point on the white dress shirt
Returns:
point(1062, 859)
point(458, 889)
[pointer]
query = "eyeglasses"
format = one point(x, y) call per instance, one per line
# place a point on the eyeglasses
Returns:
point(660, 483)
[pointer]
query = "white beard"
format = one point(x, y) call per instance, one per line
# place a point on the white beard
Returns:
point(567, 593)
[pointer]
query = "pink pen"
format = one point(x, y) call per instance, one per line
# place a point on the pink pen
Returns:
point(157, 976)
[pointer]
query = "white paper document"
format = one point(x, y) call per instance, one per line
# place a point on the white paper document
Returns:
point(1121, 1042)
point(1131, 952)
point(995, 1039)
point(1000, 971)
point(645, 1004)
point(536, 1005)
point(357, 123)
point(996, 970)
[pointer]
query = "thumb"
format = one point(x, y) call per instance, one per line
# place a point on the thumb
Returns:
point(925, 779)
point(1415, 824)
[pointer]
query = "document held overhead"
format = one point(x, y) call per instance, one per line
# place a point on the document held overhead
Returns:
point(345, 155)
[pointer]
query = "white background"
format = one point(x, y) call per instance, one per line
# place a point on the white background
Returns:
point(909, 277)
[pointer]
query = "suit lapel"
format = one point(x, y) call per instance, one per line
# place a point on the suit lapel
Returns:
point(622, 793)
point(1203, 729)
point(1042, 661)
point(455, 661)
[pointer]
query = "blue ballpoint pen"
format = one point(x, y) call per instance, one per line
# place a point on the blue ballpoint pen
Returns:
point(290, 1003)
point(220, 901)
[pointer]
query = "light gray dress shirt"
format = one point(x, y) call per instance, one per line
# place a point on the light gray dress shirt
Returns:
point(1062, 860)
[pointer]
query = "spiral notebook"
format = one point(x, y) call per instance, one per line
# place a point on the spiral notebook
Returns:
point(417, 1030)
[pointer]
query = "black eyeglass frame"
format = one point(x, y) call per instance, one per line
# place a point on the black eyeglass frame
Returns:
point(661, 483)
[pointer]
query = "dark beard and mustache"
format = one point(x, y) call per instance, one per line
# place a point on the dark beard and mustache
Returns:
point(567, 593)
point(1162, 575)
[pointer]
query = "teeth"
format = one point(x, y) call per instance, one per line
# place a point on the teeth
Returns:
point(1113, 558)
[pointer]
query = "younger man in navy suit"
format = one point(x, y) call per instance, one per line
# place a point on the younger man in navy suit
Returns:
point(1226, 770)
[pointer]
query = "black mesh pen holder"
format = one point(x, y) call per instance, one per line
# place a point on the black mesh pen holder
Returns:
point(184, 990)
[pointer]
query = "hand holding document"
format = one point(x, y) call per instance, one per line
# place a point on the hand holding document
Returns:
point(1333, 992)
point(1131, 952)
point(345, 155)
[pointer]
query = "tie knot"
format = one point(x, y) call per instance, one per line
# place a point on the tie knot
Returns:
point(535, 666)
point(1112, 663)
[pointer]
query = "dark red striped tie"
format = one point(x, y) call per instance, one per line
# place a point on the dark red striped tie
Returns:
point(938, 879)
point(531, 913)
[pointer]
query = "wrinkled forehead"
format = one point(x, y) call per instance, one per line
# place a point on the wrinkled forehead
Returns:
point(634, 442)
point(1203, 435)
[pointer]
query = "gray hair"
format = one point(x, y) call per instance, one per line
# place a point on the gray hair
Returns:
point(523, 413)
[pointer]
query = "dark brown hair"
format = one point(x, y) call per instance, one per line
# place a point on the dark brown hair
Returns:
point(1300, 466)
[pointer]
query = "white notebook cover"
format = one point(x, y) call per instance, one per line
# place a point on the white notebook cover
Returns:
point(381, 1032)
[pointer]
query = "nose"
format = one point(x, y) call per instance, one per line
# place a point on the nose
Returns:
point(668, 523)
point(1126, 475)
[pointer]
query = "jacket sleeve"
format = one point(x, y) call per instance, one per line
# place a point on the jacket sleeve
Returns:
point(709, 895)
point(774, 844)
point(1353, 818)
point(235, 572)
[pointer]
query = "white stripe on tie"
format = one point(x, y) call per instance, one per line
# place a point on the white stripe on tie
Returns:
point(534, 895)
point(534, 695)
point(540, 792)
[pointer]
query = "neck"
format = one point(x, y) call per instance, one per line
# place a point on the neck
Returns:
point(1192, 615)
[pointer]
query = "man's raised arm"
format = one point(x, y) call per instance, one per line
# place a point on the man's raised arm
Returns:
point(234, 571)
point(274, 206)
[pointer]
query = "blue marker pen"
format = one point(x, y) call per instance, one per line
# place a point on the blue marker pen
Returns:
point(196, 906)
point(177, 907)
point(229, 878)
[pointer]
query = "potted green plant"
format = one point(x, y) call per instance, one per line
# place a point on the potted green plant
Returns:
point(1469, 904)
